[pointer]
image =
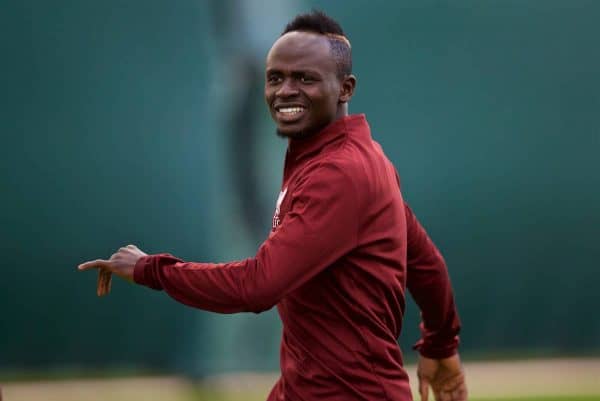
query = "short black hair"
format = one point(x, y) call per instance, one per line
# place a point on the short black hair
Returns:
point(318, 22)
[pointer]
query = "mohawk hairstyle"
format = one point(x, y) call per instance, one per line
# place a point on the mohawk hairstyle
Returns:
point(319, 22)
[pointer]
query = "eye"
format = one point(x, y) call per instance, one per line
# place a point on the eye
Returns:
point(306, 79)
point(273, 79)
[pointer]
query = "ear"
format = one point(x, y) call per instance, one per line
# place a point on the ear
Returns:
point(347, 88)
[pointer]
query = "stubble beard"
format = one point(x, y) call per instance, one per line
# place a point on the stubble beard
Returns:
point(293, 135)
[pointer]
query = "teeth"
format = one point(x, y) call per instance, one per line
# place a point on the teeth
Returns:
point(291, 110)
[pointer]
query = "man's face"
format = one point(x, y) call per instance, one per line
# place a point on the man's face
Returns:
point(302, 88)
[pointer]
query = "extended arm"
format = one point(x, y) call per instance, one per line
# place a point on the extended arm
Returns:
point(319, 228)
point(429, 284)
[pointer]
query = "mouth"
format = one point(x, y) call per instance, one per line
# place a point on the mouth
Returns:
point(289, 113)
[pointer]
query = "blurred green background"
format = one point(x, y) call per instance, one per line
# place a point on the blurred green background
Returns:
point(143, 122)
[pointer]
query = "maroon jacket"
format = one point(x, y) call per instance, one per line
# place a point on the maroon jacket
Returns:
point(343, 248)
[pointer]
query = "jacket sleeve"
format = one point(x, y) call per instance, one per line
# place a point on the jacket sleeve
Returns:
point(429, 285)
point(318, 229)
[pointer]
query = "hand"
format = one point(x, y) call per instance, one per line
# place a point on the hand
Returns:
point(121, 263)
point(445, 376)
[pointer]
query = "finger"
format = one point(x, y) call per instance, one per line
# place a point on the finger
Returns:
point(107, 281)
point(460, 394)
point(104, 282)
point(453, 382)
point(440, 395)
point(423, 388)
point(123, 249)
point(105, 276)
point(100, 286)
point(93, 264)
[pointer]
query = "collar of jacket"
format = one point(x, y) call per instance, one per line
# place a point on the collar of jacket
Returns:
point(354, 124)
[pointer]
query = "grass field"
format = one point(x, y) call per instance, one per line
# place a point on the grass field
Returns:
point(540, 380)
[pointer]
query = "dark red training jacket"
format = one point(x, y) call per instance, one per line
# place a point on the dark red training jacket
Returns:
point(343, 249)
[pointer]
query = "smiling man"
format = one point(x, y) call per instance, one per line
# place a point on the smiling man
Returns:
point(308, 83)
point(343, 248)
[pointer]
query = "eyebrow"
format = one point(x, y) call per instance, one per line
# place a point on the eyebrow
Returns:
point(293, 72)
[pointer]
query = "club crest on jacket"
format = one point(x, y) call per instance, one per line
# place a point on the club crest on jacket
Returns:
point(276, 219)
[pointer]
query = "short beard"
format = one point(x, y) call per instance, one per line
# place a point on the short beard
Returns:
point(293, 135)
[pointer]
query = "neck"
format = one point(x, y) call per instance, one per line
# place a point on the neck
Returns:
point(301, 138)
point(342, 111)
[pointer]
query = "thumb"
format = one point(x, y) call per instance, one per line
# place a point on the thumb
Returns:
point(423, 388)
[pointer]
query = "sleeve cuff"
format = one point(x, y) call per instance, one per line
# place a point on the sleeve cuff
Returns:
point(435, 351)
point(144, 273)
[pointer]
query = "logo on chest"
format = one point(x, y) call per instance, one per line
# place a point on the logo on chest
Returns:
point(276, 216)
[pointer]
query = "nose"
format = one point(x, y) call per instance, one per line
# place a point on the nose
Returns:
point(287, 88)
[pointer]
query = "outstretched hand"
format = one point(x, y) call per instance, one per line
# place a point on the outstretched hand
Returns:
point(121, 263)
point(445, 376)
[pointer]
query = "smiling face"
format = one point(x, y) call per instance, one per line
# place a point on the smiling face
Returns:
point(302, 88)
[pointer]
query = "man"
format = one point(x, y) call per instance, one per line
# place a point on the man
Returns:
point(343, 247)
